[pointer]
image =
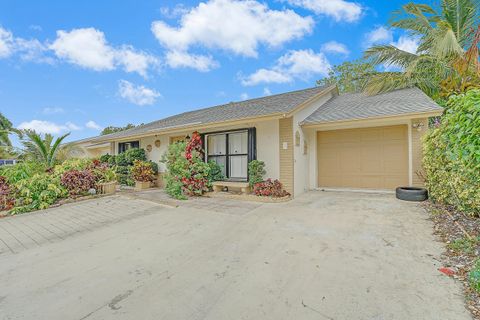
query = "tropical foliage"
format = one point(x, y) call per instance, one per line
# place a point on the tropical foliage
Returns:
point(256, 172)
point(446, 60)
point(349, 76)
point(142, 171)
point(6, 128)
point(78, 182)
point(270, 188)
point(112, 129)
point(41, 149)
point(452, 155)
point(188, 174)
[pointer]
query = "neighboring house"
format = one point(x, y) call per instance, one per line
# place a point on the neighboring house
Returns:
point(308, 138)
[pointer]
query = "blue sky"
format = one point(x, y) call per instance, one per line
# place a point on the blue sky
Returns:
point(79, 66)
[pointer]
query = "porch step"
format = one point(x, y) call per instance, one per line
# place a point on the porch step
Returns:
point(243, 186)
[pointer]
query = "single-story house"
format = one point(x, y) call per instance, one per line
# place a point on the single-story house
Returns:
point(312, 138)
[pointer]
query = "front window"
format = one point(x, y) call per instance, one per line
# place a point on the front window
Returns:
point(232, 151)
point(124, 146)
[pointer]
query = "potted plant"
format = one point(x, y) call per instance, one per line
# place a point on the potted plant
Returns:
point(143, 174)
point(108, 182)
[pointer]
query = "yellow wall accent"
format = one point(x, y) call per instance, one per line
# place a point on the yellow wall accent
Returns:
point(286, 154)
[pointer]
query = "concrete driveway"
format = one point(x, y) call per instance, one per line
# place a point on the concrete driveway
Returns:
point(325, 255)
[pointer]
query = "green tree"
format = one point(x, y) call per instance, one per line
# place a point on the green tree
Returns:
point(112, 129)
point(444, 39)
point(349, 76)
point(6, 128)
point(42, 149)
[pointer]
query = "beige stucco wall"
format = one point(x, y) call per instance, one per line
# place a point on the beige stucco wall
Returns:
point(267, 144)
point(304, 177)
point(286, 141)
point(417, 150)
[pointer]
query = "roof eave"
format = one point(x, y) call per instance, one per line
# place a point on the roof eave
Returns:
point(412, 115)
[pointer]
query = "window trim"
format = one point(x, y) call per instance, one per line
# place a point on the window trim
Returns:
point(251, 149)
point(137, 142)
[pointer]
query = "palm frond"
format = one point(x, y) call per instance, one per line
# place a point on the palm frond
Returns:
point(55, 147)
point(389, 55)
point(38, 144)
point(461, 15)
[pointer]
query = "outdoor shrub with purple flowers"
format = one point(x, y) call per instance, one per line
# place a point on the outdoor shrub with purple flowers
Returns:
point(269, 188)
point(78, 182)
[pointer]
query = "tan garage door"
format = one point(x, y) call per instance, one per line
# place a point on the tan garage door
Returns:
point(375, 158)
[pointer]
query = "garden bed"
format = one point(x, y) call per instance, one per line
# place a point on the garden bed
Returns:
point(461, 234)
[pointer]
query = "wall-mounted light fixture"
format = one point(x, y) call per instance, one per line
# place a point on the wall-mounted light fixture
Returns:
point(418, 125)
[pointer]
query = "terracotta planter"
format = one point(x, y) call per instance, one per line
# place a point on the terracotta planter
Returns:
point(107, 187)
point(142, 185)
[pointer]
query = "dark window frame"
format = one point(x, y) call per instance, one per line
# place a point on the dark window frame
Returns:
point(251, 149)
point(134, 145)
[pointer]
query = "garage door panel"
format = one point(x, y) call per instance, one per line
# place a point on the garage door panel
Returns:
point(374, 158)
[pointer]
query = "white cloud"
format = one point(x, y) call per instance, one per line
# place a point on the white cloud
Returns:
point(88, 48)
point(379, 35)
point(335, 47)
point(295, 64)
point(52, 110)
point(244, 96)
point(6, 43)
point(179, 59)
point(138, 95)
point(41, 126)
point(266, 76)
point(407, 44)
point(339, 10)
point(93, 125)
point(239, 27)
point(267, 92)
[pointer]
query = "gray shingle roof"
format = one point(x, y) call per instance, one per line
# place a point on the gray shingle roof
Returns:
point(270, 105)
point(360, 106)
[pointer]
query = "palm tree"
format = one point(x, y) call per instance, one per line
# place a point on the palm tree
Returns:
point(42, 149)
point(444, 39)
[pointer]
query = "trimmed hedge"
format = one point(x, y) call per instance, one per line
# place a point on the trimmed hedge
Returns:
point(452, 155)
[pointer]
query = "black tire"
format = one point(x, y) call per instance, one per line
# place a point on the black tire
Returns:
point(411, 194)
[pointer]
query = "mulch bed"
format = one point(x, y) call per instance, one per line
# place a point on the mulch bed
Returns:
point(451, 225)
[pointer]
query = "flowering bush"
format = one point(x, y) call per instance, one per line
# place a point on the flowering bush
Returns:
point(187, 173)
point(78, 182)
point(142, 171)
point(269, 188)
point(6, 195)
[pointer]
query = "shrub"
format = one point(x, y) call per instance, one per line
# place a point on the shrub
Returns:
point(154, 166)
point(270, 188)
point(107, 158)
point(256, 172)
point(142, 171)
point(72, 164)
point(177, 167)
point(78, 182)
point(6, 195)
point(102, 172)
point(21, 171)
point(134, 154)
point(474, 276)
point(187, 173)
point(38, 192)
point(215, 172)
point(452, 155)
